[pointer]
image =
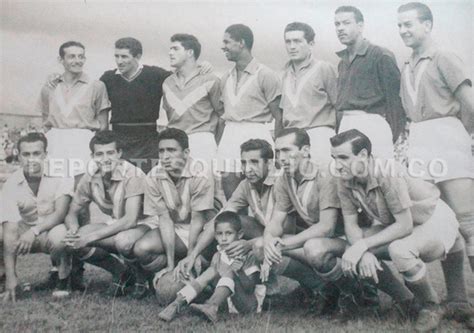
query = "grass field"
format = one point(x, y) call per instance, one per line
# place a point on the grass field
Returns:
point(92, 311)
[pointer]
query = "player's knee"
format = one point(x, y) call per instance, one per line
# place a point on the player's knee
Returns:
point(124, 244)
point(143, 249)
point(402, 257)
point(56, 236)
point(316, 252)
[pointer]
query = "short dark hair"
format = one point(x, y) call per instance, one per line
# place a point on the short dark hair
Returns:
point(175, 134)
point(104, 138)
point(351, 9)
point(423, 11)
point(300, 26)
point(301, 136)
point(189, 42)
point(240, 32)
point(357, 139)
point(131, 44)
point(33, 137)
point(266, 151)
point(64, 46)
point(229, 217)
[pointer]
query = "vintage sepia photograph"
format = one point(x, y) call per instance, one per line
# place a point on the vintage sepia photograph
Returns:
point(236, 166)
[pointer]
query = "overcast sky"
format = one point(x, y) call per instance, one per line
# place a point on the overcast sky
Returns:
point(31, 32)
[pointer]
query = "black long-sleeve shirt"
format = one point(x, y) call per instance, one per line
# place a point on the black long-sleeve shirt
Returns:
point(138, 100)
point(371, 82)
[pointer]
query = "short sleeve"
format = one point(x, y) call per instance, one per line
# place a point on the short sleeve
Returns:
point(345, 199)
point(452, 70)
point(101, 98)
point(215, 94)
point(222, 86)
point(396, 194)
point(328, 197)
point(329, 74)
point(9, 211)
point(83, 195)
point(42, 104)
point(134, 186)
point(153, 203)
point(271, 85)
point(202, 193)
point(282, 199)
point(239, 198)
point(65, 187)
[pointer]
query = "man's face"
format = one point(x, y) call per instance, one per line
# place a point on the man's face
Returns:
point(411, 29)
point(288, 154)
point(31, 157)
point(74, 59)
point(226, 234)
point(178, 54)
point(348, 165)
point(254, 167)
point(347, 29)
point(172, 156)
point(231, 48)
point(296, 45)
point(126, 62)
point(106, 156)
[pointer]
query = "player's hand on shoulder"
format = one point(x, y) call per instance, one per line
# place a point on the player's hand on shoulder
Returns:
point(237, 264)
point(238, 248)
point(205, 67)
point(53, 80)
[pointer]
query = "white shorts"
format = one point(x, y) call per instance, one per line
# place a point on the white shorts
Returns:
point(202, 146)
point(236, 133)
point(374, 126)
point(182, 231)
point(442, 227)
point(68, 150)
point(440, 149)
point(320, 144)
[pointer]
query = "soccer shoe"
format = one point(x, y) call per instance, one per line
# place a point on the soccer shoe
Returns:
point(49, 283)
point(368, 298)
point(207, 311)
point(429, 318)
point(140, 290)
point(173, 309)
point(62, 288)
point(348, 305)
point(325, 300)
point(409, 309)
point(121, 283)
point(462, 312)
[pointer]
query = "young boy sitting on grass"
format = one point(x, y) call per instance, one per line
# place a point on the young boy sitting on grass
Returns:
point(236, 278)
